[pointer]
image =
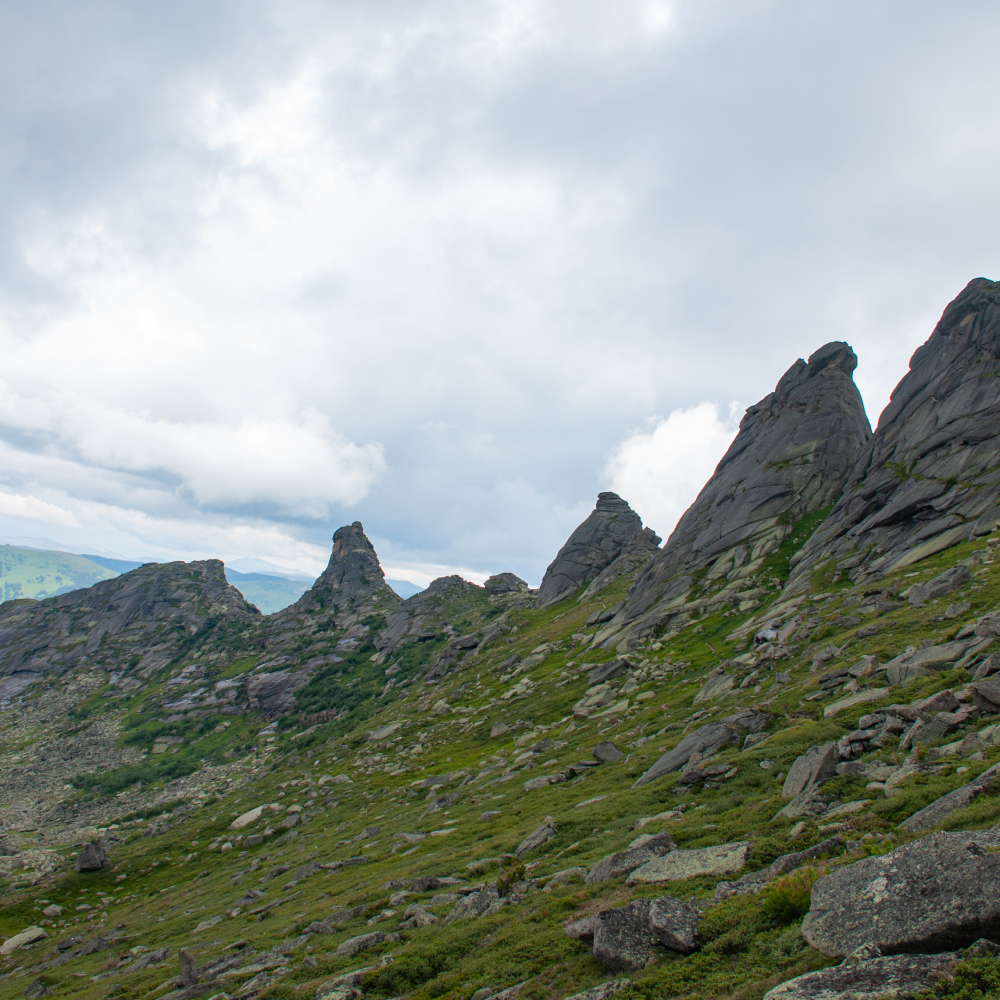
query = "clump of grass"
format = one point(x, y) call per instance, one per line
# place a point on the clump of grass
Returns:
point(789, 897)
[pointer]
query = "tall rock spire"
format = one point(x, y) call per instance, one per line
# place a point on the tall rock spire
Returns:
point(792, 456)
point(928, 478)
point(593, 546)
point(353, 574)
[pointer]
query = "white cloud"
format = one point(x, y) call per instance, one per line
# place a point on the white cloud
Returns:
point(32, 509)
point(660, 471)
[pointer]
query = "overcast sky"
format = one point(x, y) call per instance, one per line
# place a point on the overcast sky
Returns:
point(451, 268)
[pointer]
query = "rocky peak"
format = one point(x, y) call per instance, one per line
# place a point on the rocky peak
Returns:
point(792, 455)
point(104, 625)
point(352, 576)
point(505, 583)
point(927, 479)
point(594, 545)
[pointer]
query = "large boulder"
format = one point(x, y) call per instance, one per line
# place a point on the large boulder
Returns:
point(877, 978)
point(28, 936)
point(623, 940)
point(944, 583)
point(674, 924)
point(930, 895)
point(908, 495)
point(810, 769)
point(930, 816)
point(594, 545)
point(706, 741)
point(721, 860)
point(621, 863)
point(90, 859)
point(792, 455)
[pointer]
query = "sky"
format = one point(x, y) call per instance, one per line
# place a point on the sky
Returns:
point(452, 268)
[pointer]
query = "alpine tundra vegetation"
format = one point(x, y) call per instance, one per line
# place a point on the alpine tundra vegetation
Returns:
point(759, 760)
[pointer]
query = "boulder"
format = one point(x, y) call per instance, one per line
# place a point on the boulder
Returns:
point(37, 989)
point(28, 936)
point(90, 859)
point(815, 766)
point(604, 672)
point(876, 978)
point(504, 583)
point(721, 860)
point(607, 753)
point(950, 580)
point(706, 741)
point(475, 904)
point(545, 832)
point(623, 940)
point(934, 814)
point(602, 990)
point(250, 816)
point(581, 930)
point(674, 924)
point(594, 545)
point(929, 895)
point(363, 942)
point(621, 863)
point(566, 875)
point(986, 696)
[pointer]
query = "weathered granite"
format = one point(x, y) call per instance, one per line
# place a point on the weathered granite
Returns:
point(927, 479)
point(593, 546)
point(792, 455)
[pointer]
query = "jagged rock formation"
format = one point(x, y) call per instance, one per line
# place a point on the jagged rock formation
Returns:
point(930, 476)
point(131, 618)
point(352, 576)
point(505, 583)
point(792, 455)
point(636, 552)
point(592, 547)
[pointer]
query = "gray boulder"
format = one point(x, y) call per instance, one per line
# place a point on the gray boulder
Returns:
point(876, 978)
point(986, 696)
point(581, 930)
point(545, 832)
point(602, 990)
point(950, 580)
point(907, 496)
point(363, 942)
point(608, 671)
point(792, 455)
point(607, 753)
point(623, 940)
point(723, 859)
point(621, 863)
point(706, 741)
point(674, 924)
point(90, 859)
point(930, 816)
point(505, 583)
point(930, 895)
point(809, 770)
point(594, 545)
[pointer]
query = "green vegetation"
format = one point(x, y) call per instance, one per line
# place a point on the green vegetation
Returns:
point(37, 573)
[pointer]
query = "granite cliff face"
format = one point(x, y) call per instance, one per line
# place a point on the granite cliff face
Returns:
point(352, 576)
point(592, 547)
point(930, 477)
point(792, 455)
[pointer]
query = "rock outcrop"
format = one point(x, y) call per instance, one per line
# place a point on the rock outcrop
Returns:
point(792, 455)
point(352, 576)
point(130, 617)
point(874, 978)
point(929, 895)
point(593, 547)
point(929, 477)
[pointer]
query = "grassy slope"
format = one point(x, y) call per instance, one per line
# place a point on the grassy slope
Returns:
point(164, 893)
point(37, 573)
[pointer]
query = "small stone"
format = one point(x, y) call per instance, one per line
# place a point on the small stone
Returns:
point(607, 753)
